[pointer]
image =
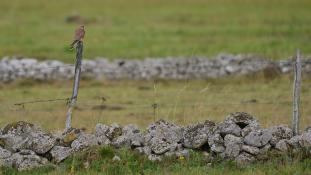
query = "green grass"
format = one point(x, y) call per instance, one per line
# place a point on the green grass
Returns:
point(156, 28)
point(182, 102)
point(99, 161)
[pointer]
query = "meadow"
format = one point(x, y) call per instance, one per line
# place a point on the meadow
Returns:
point(99, 161)
point(182, 102)
point(155, 28)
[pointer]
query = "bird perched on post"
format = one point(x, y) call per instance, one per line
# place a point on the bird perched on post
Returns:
point(79, 35)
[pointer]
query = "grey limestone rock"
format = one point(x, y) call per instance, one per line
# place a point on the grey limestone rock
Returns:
point(258, 138)
point(84, 141)
point(280, 132)
point(195, 136)
point(60, 153)
point(233, 145)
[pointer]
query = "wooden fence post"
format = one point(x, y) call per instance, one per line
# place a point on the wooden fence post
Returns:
point(74, 96)
point(296, 93)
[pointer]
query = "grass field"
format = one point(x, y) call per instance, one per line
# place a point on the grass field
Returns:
point(156, 28)
point(182, 102)
point(100, 162)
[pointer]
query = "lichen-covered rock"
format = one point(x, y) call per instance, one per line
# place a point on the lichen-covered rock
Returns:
point(5, 157)
point(251, 149)
point(84, 141)
point(26, 160)
point(23, 135)
point(294, 142)
point(233, 145)
point(239, 124)
point(282, 145)
point(103, 140)
point(41, 142)
point(134, 134)
point(131, 137)
point(195, 136)
point(280, 132)
point(20, 128)
point(162, 136)
point(216, 143)
point(14, 142)
point(244, 158)
point(114, 131)
point(60, 153)
point(101, 130)
point(305, 140)
point(258, 138)
point(228, 127)
point(4, 153)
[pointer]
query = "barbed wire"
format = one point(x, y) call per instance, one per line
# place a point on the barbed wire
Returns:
point(154, 105)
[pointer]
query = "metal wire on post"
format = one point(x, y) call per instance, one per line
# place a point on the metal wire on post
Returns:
point(74, 96)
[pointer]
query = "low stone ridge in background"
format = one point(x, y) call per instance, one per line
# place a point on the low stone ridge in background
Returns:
point(150, 68)
point(238, 138)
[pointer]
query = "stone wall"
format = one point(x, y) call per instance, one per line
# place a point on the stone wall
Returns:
point(239, 138)
point(150, 68)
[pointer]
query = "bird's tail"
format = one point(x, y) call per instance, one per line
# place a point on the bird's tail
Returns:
point(73, 43)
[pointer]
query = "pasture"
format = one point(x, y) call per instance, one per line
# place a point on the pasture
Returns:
point(183, 102)
point(155, 28)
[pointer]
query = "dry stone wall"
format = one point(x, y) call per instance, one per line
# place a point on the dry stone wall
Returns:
point(150, 68)
point(239, 138)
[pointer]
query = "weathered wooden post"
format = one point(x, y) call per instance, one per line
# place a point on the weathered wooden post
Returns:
point(73, 99)
point(296, 93)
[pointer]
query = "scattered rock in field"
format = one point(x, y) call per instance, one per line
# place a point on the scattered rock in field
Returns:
point(116, 159)
point(143, 150)
point(154, 158)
